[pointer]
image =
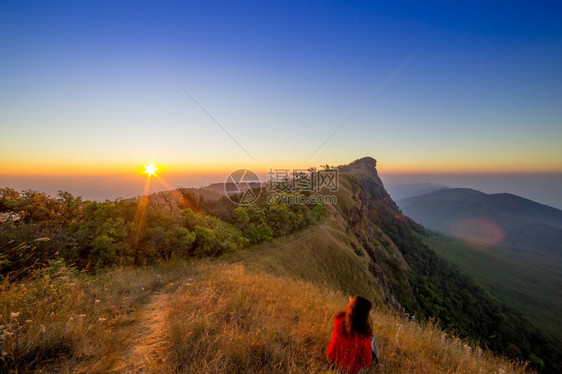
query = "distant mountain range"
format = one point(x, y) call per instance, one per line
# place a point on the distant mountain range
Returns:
point(491, 220)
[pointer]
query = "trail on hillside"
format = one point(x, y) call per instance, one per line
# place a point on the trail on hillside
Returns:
point(147, 349)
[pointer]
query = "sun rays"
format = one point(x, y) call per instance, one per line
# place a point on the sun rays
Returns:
point(140, 215)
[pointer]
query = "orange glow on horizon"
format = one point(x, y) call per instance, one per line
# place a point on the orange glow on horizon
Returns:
point(113, 169)
point(207, 168)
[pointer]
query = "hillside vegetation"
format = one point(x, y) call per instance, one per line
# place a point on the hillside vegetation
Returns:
point(525, 281)
point(36, 228)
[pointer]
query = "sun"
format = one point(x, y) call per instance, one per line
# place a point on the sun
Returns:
point(150, 169)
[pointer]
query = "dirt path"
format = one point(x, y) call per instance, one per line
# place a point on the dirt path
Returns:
point(147, 350)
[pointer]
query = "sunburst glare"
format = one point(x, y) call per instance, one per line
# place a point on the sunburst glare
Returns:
point(150, 169)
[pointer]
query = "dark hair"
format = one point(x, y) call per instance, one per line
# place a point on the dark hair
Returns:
point(356, 317)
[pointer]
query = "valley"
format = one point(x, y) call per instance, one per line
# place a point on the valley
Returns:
point(526, 282)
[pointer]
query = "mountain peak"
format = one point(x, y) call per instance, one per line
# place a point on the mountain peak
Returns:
point(364, 162)
point(371, 186)
point(363, 167)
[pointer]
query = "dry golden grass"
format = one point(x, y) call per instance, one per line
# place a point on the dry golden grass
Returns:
point(270, 315)
point(229, 319)
point(62, 321)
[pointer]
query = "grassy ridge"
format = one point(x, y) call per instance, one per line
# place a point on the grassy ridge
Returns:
point(231, 319)
point(321, 255)
point(528, 283)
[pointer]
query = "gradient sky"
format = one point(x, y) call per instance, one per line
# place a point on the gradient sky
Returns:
point(458, 86)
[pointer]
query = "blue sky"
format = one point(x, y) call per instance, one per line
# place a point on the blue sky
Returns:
point(81, 92)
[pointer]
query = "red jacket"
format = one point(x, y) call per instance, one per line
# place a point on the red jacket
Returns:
point(349, 354)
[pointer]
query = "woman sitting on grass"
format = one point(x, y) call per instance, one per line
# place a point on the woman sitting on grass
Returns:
point(353, 344)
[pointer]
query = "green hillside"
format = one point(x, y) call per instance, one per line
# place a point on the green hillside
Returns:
point(526, 282)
